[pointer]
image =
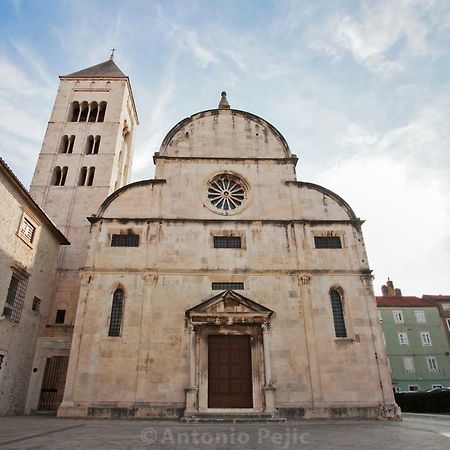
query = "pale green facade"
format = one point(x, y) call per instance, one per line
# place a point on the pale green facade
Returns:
point(416, 346)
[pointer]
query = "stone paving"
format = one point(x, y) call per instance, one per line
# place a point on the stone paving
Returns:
point(35, 432)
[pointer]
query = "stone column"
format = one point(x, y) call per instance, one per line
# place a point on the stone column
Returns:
point(269, 388)
point(191, 391)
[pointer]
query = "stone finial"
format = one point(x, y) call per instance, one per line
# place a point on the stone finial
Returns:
point(223, 104)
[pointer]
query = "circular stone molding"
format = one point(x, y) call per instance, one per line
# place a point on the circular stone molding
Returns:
point(226, 193)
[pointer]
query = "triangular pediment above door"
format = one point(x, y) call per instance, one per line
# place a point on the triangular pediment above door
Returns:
point(229, 302)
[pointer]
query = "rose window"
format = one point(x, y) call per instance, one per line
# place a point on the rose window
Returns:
point(226, 192)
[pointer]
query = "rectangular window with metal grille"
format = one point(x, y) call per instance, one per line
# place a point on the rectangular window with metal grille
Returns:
point(36, 304)
point(327, 242)
point(60, 316)
point(27, 230)
point(16, 296)
point(125, 240)
point(227, 286)
point(227, 242)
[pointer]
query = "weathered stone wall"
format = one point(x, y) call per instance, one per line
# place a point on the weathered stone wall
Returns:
point(39, 259)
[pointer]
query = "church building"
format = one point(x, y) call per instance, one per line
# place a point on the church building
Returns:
point(223, 286)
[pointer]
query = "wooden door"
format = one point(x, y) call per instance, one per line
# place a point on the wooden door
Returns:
point(229, 371)
point(52, 391)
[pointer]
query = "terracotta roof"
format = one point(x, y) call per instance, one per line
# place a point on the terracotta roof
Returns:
point(439, 298)
point(24, 191)
point(107, 69)
point(394, 302)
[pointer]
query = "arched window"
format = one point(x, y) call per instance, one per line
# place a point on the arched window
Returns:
point(93, 112)
point(101, 112)
point(56, 176)
point(75, 112)
point(71, 142)
point(96, 145)
point(89, 145)
point(82, 177)
point(338, 313)
point(63, 176)
point(64, 146)
point(90, 178)
point(84, 112)
point(115, 321)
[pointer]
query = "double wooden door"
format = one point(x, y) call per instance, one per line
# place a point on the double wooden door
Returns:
point(229, 371)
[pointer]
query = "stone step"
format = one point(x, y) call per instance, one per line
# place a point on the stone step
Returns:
point(232, 418)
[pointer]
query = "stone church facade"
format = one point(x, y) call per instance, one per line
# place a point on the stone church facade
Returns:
point(223, 286)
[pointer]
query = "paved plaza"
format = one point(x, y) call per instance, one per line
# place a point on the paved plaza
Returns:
point(35, 432)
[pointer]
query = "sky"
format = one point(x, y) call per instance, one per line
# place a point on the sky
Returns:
point(359, 89)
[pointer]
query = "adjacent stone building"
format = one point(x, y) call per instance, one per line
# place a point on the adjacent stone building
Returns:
point(415, 335)
point(28, 259)
point(222, 286)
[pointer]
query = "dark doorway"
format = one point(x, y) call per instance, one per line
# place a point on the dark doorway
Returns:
point(52, 391)
point(229, 371)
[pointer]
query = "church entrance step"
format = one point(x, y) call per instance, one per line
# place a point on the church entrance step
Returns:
point(232, 418)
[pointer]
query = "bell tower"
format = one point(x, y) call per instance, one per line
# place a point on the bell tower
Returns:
point(85, 156)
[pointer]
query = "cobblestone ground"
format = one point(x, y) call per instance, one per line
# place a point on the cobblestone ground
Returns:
point(414, 432)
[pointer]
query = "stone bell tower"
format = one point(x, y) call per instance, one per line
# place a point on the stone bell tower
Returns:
point(86, 155)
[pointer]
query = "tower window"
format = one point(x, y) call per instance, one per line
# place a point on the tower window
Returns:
point(227, 286)
point(101, 112)
point(90, 178)
point(115, 322)
point(59, 176)
point(82, 177)
point(327, 242)
point(75, 112)
point(338, 314)
point(84, 112)
point(16, 296)
point(227, 242)
point(89, 145)
point(67, 143)
point(93, 112)
point(125, 240)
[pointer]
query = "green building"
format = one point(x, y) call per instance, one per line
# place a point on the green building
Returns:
point(416, 341)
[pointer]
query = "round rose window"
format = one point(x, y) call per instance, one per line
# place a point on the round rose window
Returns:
point(226, 192)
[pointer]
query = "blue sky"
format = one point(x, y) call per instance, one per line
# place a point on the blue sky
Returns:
point(360, 90)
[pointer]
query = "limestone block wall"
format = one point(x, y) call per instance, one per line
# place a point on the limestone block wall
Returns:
point(39, 260)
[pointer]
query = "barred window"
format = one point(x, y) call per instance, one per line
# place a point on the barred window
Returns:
point(36, 304)
point(16, 296)
point(115, 323)
point(327, 242)
point(125, 240)
point(27, 230)
point(227, 286)
point(338, 314)
point(227, 242)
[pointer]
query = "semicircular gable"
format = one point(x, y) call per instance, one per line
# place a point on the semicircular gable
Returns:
point(131, 200)
point(226, 133)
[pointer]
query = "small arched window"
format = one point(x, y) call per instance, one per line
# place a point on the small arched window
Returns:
point(90, 178)
point(75, 112)
point(64, 146)
point(56, 176)
point(338, 313)
point(89, 145)
point(115, 321)
point(82, 177)
point(93, 112)
point(71, 143)
point(84, 112)
point(101, 112)
point(96, 145)
point(63, 176)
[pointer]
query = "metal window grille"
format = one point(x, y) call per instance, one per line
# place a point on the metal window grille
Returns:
point(27, 230)
point(125, 240)
point(36, 304)
point(60, 316)
point(338, 314)
point(227, 242)
point(115, 323)
point(327, 242)
point(227, 286)
point(16, 296)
